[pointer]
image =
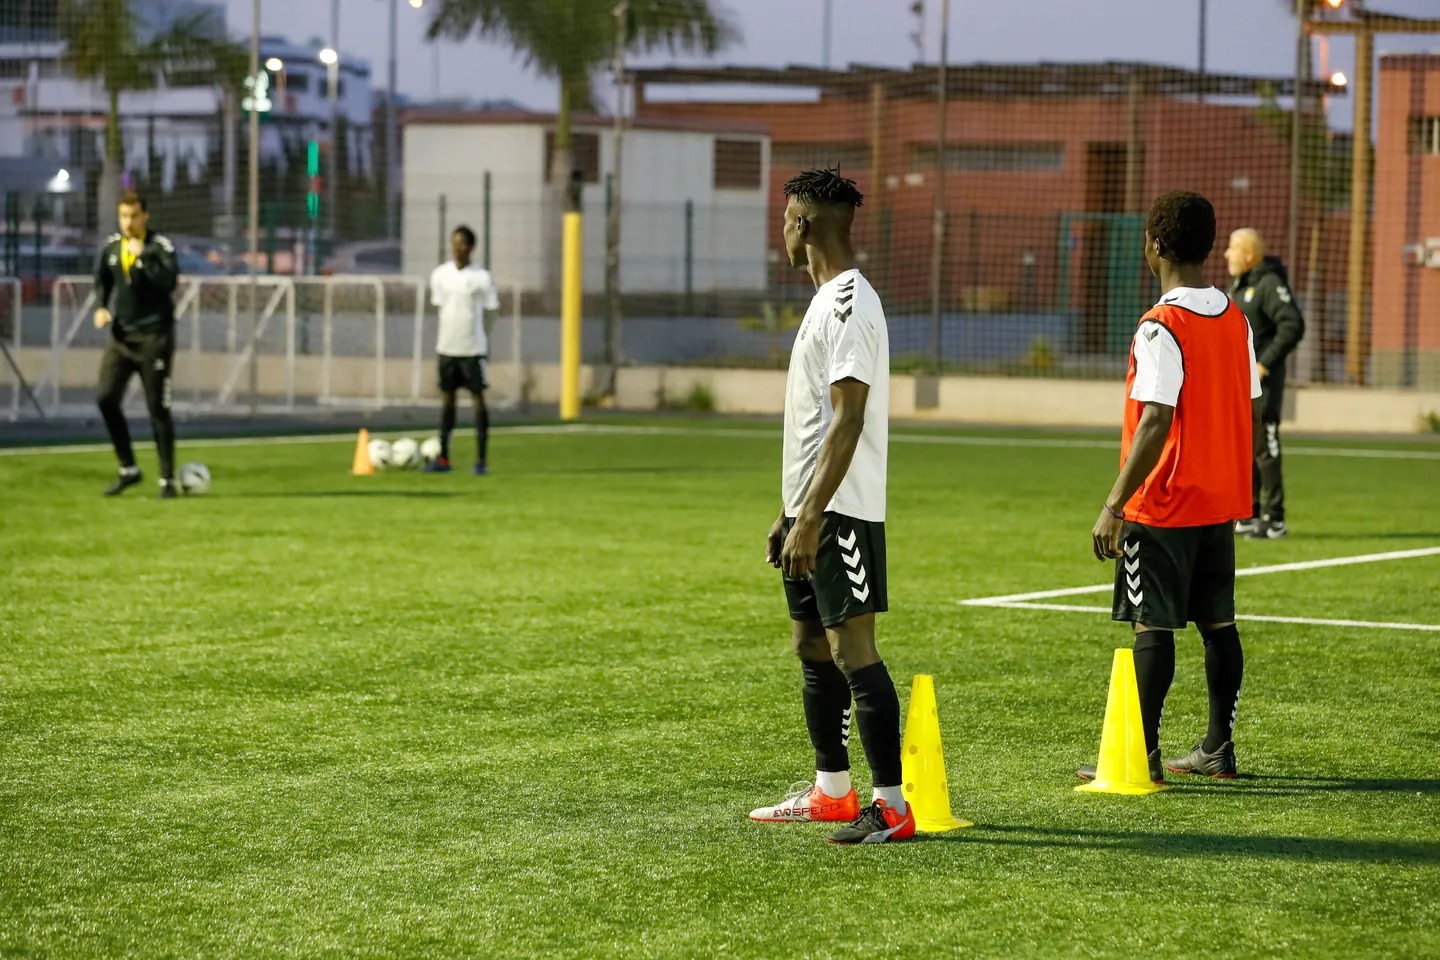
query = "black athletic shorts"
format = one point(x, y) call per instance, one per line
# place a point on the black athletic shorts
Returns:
point(1168, 576)
point(849, 575)
point(458, 372)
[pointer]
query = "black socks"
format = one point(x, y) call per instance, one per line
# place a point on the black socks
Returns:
point(877, 708)
point(1224, 669)
point(827, 714)
point(1154, 671)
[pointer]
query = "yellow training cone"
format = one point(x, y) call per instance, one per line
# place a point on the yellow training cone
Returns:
point(1123, 766)
point(923, 762)
point(362, 467)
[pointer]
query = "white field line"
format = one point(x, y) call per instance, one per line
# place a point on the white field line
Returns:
point(1306, 621)
point(1013, 598)
point(958, 440)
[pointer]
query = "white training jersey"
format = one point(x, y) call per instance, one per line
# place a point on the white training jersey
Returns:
point(843, 336)
point(463, 296)
point(1159, 367)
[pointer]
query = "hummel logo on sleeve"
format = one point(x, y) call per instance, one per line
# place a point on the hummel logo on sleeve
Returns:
point(843, 299)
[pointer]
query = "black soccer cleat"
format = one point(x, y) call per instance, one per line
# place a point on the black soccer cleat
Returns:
point(877, 823)
point(1157, 768)
point(1219, 765)
point(1269, 530)
point(123, 481)
point(168, 490)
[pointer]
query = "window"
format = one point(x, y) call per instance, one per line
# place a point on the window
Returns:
point(584, 155)
point(992, 157)
point(737, 164)
point(13, 70)
point(790, 158)
point(296, 82)
point(1425, 135)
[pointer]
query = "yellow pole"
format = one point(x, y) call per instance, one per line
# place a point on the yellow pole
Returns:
point(570, 314)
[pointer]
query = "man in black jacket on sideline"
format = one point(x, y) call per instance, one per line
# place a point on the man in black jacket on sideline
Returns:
point(1262, 291)
point(138, 267)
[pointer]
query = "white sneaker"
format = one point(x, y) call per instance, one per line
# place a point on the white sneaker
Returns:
point(807, 803)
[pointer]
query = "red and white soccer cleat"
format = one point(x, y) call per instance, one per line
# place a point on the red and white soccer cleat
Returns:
point(807, 803)
point(878, 824)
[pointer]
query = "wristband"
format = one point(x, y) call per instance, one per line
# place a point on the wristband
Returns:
point(1117, 516)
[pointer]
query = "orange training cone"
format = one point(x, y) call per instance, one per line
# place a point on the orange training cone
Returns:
point(1123, 766)
point(363, 467)
point(923, 762)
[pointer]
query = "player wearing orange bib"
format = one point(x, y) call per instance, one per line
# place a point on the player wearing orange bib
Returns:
point(1185, 479)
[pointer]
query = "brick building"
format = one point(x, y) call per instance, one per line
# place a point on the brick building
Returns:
point(1048, 171)
point(1405, 324)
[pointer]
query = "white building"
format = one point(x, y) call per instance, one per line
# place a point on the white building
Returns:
point(689, 223)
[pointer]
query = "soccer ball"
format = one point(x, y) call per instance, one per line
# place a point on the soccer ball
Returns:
point(194, 478)
point(404, 453)
point(430, 450)
point(379, 454)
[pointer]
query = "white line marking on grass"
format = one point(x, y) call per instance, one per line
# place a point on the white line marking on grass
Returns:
point(1304, 621)
point(603, 429)
point(1014, 598)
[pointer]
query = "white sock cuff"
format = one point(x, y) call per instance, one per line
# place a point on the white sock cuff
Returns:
point(833, 783)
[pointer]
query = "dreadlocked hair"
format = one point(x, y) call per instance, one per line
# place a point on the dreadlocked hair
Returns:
point(824, 187)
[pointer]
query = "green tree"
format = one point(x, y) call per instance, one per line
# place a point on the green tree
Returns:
point(105, 44)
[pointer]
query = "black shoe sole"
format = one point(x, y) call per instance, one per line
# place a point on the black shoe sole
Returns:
point(1197, 773)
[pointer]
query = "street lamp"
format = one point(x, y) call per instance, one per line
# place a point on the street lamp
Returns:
point(1338, 79)
point(331, 59)
point(417, 4)
point(274, 64)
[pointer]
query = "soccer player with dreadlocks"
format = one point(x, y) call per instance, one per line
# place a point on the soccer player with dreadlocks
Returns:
point(829, 537)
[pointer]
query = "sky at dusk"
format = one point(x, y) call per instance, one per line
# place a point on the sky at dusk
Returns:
point(1245, 36)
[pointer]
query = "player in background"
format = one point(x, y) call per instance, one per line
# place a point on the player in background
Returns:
point(1262, 290)
point(462, 291)
point(829, 537)
point(137, 267)
point(1184, 481)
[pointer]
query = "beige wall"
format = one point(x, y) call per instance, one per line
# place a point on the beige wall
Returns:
point(973, 400)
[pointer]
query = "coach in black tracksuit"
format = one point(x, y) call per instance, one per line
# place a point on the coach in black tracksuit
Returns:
point(138, 268)
point(1262, 291)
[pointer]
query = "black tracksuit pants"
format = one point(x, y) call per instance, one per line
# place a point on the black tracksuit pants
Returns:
point(1267, 485)
point(151, 355)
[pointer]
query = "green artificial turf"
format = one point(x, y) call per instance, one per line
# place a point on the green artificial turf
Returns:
point(525, 715)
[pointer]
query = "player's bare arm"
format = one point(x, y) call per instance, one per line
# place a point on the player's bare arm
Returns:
point(848, 398)
point(1150, 435)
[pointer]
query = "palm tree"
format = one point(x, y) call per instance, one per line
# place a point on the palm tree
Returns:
point(569, 40)
point(103, 44)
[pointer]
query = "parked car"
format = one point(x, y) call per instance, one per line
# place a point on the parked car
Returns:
point(194, 263)
point(375, 257)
